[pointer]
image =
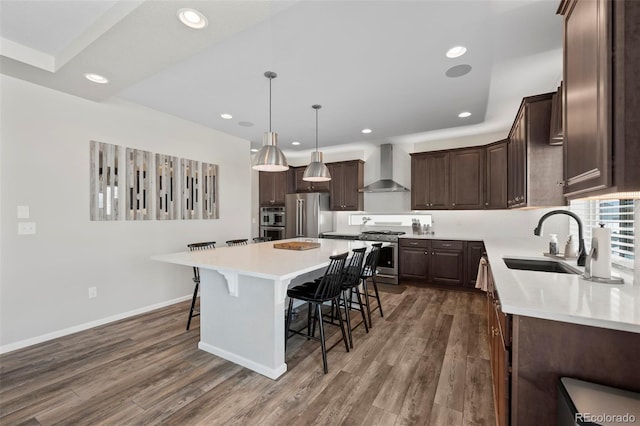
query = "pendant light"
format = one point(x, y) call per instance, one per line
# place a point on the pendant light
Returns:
point(317, 171)
point(269, 158)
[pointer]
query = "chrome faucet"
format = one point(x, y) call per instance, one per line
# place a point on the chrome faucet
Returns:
point(582, 255)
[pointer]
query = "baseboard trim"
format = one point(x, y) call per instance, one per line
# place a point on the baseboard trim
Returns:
point(272, 373)
point(86, 326)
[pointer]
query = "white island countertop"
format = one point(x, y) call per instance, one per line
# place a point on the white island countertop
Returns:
point(262, 260)
point(561, 297)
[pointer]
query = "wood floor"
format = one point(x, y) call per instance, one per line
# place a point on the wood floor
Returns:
point(425, 362)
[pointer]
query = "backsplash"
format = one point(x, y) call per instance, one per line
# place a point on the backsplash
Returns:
point(477, 224)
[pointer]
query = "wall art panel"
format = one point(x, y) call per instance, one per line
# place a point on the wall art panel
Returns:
point(104, 181)
point(210, 191)
point(191, 184)
point(138, 183)
point(166, 196)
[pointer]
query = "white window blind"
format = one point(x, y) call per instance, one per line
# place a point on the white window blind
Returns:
point(617, 215)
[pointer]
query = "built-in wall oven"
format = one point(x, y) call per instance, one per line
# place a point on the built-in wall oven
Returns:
point(272, 216)
point(272, 223)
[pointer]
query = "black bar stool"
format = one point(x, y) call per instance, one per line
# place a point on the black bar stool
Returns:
point(327, 289)
point(193, 312)
point(261, 239)
point(350, 282)
point(239, 242)
point(369, 272)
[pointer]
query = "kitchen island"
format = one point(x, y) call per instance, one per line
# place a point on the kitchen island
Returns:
point(242, 297)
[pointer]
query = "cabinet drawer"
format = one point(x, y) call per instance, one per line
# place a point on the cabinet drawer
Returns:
point(417, 243)
point(447, 244)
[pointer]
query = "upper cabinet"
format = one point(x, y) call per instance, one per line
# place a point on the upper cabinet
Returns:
point(601, 94)
point(430, 180)
point(346, 178)
point(272, 188)
point(556, 132)
point(305, 186)
point(467, 178)
point(496, 176)
point(451, 179)
point(534, 177)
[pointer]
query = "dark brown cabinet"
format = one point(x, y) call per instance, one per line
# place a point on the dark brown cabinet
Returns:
point(556, 132)
point(496, 176)
point(447, 262)
point(305, 186)
point(467, 178)
point(601, 94)
point(499, 328)
point(414, 258)
point(272, 188)
point(475, 251)
point(534, 169)
point(430, 181)
point(439, 262)
point(347, 178)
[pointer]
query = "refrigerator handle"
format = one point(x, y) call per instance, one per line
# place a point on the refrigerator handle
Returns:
point(300, 218)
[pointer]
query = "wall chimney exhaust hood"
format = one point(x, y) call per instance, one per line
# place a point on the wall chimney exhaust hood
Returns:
point(386, 182)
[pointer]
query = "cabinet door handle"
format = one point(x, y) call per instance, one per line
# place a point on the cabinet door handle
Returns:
point(453, 204)
point(486, 204)
point(414, 244)
point(427, 253)
point(447, 245)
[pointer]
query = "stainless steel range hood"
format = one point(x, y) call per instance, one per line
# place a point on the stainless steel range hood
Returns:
point(386, 182)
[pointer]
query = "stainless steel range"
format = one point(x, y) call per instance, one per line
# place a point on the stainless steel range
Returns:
point(388, 263)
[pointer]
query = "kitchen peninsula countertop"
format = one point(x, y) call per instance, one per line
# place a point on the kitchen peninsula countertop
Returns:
point(561, 297)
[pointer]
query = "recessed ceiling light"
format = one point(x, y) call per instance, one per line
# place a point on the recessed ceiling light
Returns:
point(192, 18)
point(96, 78)
point(226, 116)
point(254, 149)
point(456, 51)
point(366, 131)
point(295, 143)
point(464, 114)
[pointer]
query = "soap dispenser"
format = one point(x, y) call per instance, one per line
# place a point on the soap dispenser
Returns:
point(570, 248)
point(553, 244)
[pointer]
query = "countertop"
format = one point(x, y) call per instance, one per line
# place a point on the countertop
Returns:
point(561, 297)
point(262, 259)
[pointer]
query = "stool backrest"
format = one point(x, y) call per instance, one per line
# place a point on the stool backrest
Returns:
point(240, 242)
point(371, 264)
point(202, 246)
point(331, 283)
point(261, 239)
point(353, 271)
point(197, 247)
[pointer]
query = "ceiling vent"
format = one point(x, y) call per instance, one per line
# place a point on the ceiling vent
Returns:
point(386, 182)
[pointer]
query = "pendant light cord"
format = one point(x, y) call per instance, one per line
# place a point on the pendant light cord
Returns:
point(270, 78)
point(316, 130)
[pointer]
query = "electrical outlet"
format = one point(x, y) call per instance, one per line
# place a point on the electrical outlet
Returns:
point(93, 292)
point(26, 228)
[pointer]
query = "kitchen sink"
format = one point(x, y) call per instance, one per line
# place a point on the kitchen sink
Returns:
point(539, 265)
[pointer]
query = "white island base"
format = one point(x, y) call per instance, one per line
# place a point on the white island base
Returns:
point(242, 297)
point(244, 328)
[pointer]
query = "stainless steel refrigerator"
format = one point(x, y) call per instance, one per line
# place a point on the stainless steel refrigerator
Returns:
point(307, 215)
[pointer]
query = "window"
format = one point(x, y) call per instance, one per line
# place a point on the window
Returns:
point(618, 215)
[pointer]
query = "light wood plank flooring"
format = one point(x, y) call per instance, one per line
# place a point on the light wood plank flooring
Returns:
point(425, 362)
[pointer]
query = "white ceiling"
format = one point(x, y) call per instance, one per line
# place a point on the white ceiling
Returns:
point(375, 64)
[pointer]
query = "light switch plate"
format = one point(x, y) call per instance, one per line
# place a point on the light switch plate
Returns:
point(23, 212)
point(26, 228)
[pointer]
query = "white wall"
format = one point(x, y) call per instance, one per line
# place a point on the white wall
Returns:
point(44, 277)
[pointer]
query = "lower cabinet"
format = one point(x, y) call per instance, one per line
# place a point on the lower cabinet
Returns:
point(447, 263)
point(499, 329)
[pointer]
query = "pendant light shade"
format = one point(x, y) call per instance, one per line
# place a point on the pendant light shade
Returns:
point(269, 158)
point(316, 171)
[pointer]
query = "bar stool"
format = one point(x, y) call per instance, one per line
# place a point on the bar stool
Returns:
point(327, 289)
point(193, 312)
point(350, 282)
point(240, 242)
point(369, 271)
